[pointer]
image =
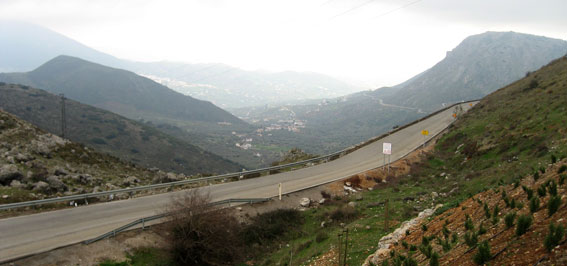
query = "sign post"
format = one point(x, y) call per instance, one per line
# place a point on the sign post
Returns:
point(424, 133)
point(387, 149)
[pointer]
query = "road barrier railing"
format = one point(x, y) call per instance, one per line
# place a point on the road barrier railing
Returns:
point(144, 220)
point(327, 157)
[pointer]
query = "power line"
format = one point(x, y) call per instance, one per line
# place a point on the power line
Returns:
point(352, 9)
point(396, 9)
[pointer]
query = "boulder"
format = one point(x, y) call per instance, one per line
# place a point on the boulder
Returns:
point(9, 172)
point(16, 184)
point(56, 184)
point(322, 201)
point(40, 187)
point(60, 172)
point(130, 181)
point(304, 202)
point(22, 158)
point(358, 197)
point(352, 204)
point(434, 194)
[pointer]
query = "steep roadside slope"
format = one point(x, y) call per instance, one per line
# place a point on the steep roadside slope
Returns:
point(35, 164)
point(508, 154)
point(111, 133)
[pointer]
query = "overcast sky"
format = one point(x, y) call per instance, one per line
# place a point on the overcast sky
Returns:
point(379, 43)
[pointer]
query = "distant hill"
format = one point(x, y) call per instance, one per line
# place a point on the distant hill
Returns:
point(119, 91)
point(111, 133)
point(24, 47)
point(478, 66)
point(230, 87)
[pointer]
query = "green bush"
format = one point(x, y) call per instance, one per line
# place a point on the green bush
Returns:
point(454, 237)
point(424, 227)
point(446, 245)
point(562, 179)
point(469, 223)
point(553, 158)
point(321, 236)
point(495, 211)
point(536, 175)
point(471, 239)
point(487, 211)
point(481, 229)
point(271, 225)
point(552, 188)
point(529, 192)
point(534, 205)
point(542, 169)
point(446, 232)
point(523, 224)
point(513, 204)
point(434, 261)
point(553, 205)
point(483, 255)
point(541, 191)
point(426, 250)
point(554, 236)
point(509, 219)
point(344, 213)
point(405, 244)
point(562, 169)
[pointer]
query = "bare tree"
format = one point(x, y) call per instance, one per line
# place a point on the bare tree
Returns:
point(200, 234)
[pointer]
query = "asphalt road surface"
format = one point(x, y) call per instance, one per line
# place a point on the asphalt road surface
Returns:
point(36, 233)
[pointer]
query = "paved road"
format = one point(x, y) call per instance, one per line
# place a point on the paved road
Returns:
point(25, 235)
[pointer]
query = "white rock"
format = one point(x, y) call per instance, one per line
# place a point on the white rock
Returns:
point(304, 202)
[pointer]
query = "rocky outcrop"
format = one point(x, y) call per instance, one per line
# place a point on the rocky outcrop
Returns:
point(383, 251)
point(9, 172)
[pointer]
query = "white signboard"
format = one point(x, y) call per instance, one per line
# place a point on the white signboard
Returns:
point(387, 148)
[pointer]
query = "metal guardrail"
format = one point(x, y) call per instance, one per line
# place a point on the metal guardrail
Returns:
point(217, 177)
point(162, 215)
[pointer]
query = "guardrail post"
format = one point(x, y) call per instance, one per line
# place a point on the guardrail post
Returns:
point(280, 190)
point(143, 223)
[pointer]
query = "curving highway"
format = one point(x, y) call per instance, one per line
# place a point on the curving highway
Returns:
point(36, 233)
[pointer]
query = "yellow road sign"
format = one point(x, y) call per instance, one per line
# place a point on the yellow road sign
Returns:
point(425, 132)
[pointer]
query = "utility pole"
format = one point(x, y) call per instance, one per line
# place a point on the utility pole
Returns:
point(63, 116)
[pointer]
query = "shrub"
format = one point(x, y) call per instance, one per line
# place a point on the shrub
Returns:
point(325, 194)
point(424, 241)
point(552, 187)
point(534, 205)
point(271, 225)
point(405, 244)
point(536, 175)
point(446, 245)
point(412, 247)
point(554, 236)
point(486, 211)
point(562, 169)
point(553, 158)
point(509, 219)
point(321, 236)
point(471, 239)
point(528, 191)
point(481, 230)
point(454, 237)
point(469, 223)
point(523, 224)
point(424, 227)
point(507, 202)
point(553, 205)
point(434, 261)
point(542, 169)
point(199, 235)
point(446, 231)
point(426, 250)
point(562, 179)
point(483, 255)
point(495, 211)
point(344, 213)
point(541, 191)
point(513, 204)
